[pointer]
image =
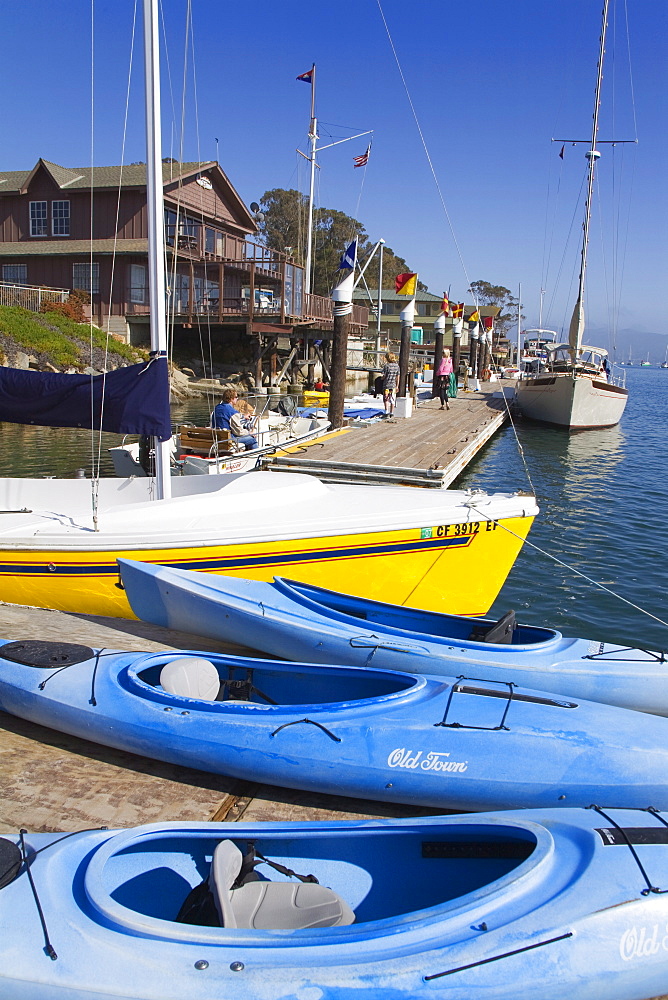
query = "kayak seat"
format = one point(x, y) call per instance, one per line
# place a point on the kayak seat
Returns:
point(500, 632)
point(191, 677)
point(260, 905)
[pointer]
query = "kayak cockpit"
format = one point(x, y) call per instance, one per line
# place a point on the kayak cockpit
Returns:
point(455, 628)
point(345, 877)
point(232, 682)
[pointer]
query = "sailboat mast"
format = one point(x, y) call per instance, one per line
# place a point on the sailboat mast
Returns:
point(592, 154)
point(154, 196)
point(313, 137)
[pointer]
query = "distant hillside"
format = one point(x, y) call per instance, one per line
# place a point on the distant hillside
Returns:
point(640, 345)
point(54, 342)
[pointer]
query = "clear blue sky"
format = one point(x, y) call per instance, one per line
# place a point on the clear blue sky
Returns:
point(492, 83)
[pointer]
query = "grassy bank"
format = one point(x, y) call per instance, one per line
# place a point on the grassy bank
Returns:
point(54, 340)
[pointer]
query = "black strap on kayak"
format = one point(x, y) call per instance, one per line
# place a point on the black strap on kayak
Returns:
point(298, 721)
point(252, 858)
point(459, 687)
point(655, 812)
point(496, 958)
point(48, 947)
point(493, 692)
point(97, 654)
point(241, 689)
point(658, 656)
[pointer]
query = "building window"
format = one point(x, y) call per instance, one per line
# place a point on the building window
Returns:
point(15, 274)
point(87, 277)
point(38, 218)
point(213, 242)
point(181, 231)
point(182, 294)
point(137, 283)
point(60, 218)
point(170, 227)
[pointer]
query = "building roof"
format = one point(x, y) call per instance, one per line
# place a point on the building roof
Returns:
point(387, 295)
point(133, 175)
point(37, 248)
point(76, 178)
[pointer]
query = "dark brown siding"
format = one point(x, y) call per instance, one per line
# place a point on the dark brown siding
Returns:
point(204, 202)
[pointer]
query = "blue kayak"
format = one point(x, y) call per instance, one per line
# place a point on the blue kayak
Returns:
point(302, 622)
point(536, 904)
point(461, 743)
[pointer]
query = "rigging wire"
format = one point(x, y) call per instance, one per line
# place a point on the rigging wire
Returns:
point(572, 569)
point(564, 256)
point(549, 233)
point(621, 226)
point(117, 223)
point(361, 192)
point(424, 145)
point(95, 473)
point(206, 286)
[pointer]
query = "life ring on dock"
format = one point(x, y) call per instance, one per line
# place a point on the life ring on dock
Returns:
point(486, 373)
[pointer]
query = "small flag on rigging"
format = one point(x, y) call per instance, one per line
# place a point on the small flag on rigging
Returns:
point(306, 77)
point(445, 305)
point(457, 310)
point(474, 317)
point(348, 257)
point(561, 152)
point(361, 161)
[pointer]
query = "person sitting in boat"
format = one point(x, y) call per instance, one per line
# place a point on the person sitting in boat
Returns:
point(247, 415)
point(226, 416)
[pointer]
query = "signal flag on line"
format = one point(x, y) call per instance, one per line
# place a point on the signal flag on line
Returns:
point(405, 284)
point(348, 257)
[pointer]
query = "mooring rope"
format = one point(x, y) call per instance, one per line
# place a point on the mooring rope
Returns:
point(572, 569)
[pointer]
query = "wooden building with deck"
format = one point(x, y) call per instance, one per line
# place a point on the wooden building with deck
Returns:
point(219, 276)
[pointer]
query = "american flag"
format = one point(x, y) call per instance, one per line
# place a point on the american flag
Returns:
point(361, 161)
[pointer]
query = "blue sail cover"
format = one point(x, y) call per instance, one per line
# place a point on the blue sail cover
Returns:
point(132, 400)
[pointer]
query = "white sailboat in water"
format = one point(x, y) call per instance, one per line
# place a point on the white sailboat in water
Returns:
point(576, 392)
point(59, 539)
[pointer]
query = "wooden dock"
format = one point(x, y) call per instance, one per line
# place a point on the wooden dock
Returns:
point(444, 441)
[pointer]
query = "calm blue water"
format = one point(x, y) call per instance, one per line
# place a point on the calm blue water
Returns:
point(604, 512)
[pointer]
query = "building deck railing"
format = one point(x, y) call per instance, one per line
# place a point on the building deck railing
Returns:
point(30, 297)
point(316, 309)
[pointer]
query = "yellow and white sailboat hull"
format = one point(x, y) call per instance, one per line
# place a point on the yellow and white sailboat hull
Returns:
point(441, 550)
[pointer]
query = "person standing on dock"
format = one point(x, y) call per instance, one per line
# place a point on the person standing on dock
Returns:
point(443, 375)
point(390, 376)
